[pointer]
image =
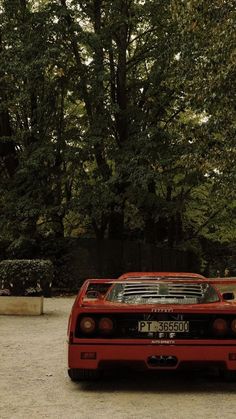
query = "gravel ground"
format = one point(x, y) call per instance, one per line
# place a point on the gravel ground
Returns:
point(34, 382)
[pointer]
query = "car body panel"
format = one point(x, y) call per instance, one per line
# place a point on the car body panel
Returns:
point(133, 351)
point(122, 354)
point(163, 275)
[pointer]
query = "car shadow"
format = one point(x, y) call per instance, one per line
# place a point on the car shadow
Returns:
point(159, 382)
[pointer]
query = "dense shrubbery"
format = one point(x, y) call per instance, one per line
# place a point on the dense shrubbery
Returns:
point(26, 277)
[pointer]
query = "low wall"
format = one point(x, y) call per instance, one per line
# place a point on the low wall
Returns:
point(27, 306)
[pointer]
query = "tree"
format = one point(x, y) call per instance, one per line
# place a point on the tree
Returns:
point(118, 114)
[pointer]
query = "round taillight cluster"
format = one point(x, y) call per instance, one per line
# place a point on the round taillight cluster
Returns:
point(87, 325)
point(103, 326)
point(106, 325)
point(221, 327)
point(233, 326)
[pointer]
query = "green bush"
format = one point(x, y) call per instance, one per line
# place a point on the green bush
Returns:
point(26, 277)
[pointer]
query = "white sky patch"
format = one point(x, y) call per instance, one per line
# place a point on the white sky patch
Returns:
point(88, 60)
point(204, 119)
point(177, 56)
point(55, 19)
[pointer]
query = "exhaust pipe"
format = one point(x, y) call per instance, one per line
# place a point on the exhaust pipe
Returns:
point(162, 361)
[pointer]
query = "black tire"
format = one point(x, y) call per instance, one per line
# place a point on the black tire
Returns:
point(77, 374)
point(228, 376)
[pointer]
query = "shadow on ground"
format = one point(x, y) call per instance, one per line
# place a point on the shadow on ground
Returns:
point(161, 382)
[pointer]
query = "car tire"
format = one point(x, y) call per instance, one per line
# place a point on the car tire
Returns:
point(77, 374)
point(228, 376)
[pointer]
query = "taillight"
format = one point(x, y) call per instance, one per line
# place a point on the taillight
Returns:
point(233, 326)
point(87, 325)
point(220, 327)
point(106, 325)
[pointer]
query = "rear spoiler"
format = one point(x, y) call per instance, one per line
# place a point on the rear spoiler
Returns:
point(97, 288)
point(224, 285)
point(222, 281)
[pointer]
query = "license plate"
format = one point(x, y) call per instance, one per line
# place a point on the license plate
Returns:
point(163, 326)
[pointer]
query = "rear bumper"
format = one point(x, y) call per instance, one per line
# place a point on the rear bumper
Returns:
point(144, 355)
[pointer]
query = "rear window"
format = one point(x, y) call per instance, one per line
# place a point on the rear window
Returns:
point(162, 293)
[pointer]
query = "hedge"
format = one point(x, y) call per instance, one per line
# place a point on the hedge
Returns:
point(26, 277)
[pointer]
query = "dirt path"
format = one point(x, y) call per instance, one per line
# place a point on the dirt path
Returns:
point(34, 382)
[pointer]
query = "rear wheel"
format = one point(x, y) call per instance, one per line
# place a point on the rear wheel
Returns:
point(77, 374)
point(228, 375)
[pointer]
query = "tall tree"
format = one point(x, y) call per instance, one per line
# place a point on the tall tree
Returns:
point(120, 113)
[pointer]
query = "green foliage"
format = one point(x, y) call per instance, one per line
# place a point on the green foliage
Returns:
point(117, 116)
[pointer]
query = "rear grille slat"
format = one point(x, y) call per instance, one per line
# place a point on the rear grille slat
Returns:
point(142, 292)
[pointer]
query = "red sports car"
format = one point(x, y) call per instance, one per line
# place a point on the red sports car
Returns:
point(154, 321)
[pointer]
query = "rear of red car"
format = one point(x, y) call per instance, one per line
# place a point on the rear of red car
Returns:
point(145, 326)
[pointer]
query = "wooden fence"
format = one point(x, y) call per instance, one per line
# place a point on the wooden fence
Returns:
point(88, 258)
